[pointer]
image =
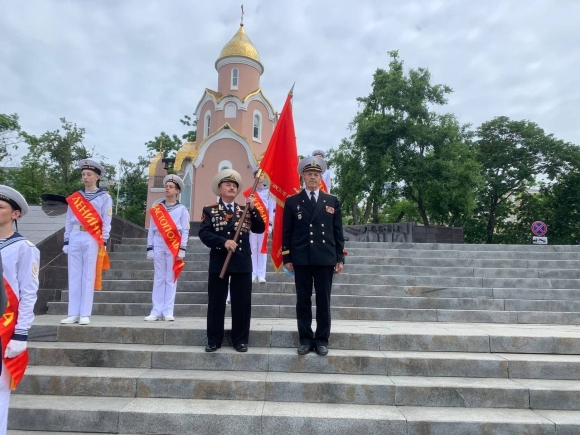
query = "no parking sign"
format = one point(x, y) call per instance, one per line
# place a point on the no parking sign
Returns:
point(539, 229)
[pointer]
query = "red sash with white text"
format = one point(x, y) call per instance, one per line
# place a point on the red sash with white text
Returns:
point(91, 221)
point(17, 365)
point(261, 207)
point(170, 234)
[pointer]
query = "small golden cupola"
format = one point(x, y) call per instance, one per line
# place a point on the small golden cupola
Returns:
point(240, 46)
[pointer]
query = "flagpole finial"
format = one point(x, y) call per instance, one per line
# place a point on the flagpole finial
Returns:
point(242, 19)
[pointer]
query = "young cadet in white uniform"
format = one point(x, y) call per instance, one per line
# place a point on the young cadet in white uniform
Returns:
point(82, 249)
point(259, 260)
point(164, 284)
point(20, 262)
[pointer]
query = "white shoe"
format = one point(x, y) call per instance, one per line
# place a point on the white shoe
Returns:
point(84, 321)
point(70, 320)
point(169, 318)
point(254, 280)
point(262, 280)
point(152, 318)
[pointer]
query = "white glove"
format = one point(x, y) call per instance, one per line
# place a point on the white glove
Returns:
point(181, 253)
point(14, 348)
point(65, 249)
point(150, 255)
point(269, 230)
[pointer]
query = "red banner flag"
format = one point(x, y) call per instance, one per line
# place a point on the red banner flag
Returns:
point(280, 162)
point(17, 365)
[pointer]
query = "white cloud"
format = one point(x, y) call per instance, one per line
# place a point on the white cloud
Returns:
point(127, 70)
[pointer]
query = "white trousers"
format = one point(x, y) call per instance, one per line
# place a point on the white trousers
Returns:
point(258, 259)
point(163, 286)
point(4, 399)
point(82, 263)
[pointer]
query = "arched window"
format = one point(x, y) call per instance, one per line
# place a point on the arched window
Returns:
point(224, 164)
point(207, 124)
point(230, 110)
point(235, 77)
point(257, 134)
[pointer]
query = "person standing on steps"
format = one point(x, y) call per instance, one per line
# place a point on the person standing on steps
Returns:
point(265, 205)
point(166, 245)
point(219, 223)
point(312, 248)
point(20, 266)
point(87, 229)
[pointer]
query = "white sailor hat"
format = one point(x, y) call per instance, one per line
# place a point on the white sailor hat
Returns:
point(223, 176)
point(311, 164)
point(319, 152)
point(14, 198)
point(90, 164)
point(174, 179)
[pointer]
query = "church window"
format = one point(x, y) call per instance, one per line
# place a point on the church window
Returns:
point(207, 124)
point(235, 74)
point(230, 110)
point(257, 135)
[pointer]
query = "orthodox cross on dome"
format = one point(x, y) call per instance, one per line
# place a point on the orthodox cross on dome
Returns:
point(161, 145)
point(242, 19)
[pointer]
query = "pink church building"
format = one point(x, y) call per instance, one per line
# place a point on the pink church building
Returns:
point(234, 126)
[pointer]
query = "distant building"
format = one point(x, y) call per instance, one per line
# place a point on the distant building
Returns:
point(234, 126)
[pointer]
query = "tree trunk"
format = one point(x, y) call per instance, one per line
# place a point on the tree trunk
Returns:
point(354, 214)
point(422, 212)
point(375, 213)
point(367, 212)
point(491, 220)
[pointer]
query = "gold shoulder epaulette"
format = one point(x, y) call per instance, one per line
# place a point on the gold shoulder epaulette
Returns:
point(30, 243)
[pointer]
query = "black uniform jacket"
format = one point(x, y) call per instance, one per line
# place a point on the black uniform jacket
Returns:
point(217, 227)
point(312, 235)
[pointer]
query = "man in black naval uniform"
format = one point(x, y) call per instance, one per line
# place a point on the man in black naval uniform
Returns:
point(313, 245)
point(219, 223)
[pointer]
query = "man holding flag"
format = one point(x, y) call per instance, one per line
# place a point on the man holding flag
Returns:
point(219, 223)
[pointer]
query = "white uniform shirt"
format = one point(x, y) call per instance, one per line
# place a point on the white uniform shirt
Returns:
point(20, 261)
point(180, 216)
point(268, 201)
point(103, 204)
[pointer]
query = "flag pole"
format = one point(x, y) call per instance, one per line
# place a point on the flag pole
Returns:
point(240, 224)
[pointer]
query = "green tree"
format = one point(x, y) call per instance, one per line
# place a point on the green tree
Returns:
point(10, 135)
point(514, 154)
point(170, 144)
point(400, 143)
point(132, 199)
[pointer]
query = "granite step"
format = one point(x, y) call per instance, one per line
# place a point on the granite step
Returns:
point(346, 334)
point(264, 298)
point(264, 359)
point(178, 416)
point(138, 261)
point(367, 389)
point(193, 240)
point(499, 253)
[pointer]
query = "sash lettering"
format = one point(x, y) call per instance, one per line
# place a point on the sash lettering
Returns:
point(263, 211)
point(170, 234)
point(17, 365)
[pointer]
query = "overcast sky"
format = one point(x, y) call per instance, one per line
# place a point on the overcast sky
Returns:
point(128, 69)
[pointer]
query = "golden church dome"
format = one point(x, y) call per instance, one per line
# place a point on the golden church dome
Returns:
point(240, 45)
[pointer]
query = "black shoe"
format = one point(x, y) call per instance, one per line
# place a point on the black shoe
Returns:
point(322, 350)
point(241, 347)
point(211, 347)
point(304, 349)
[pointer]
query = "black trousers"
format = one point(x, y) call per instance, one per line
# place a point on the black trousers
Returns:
point(241, 299)
point(321, 277)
